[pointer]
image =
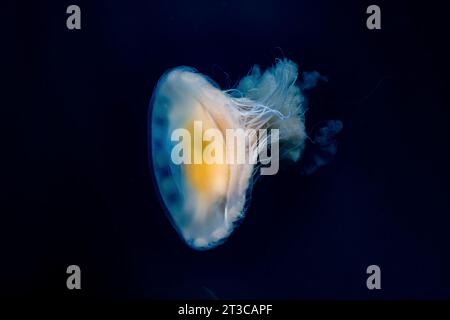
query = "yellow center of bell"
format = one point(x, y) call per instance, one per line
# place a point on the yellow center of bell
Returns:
point(210, 180)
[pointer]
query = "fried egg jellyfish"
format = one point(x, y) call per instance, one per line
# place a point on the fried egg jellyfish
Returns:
point(205, 202)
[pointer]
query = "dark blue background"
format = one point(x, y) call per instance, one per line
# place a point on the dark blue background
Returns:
point(79, 189)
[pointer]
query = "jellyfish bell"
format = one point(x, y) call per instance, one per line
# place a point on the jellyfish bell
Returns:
point(204, 200)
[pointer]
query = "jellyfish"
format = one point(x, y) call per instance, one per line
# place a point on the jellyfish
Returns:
point(205, 201)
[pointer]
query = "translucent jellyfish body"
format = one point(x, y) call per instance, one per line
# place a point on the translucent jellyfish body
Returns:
point(204, 201)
